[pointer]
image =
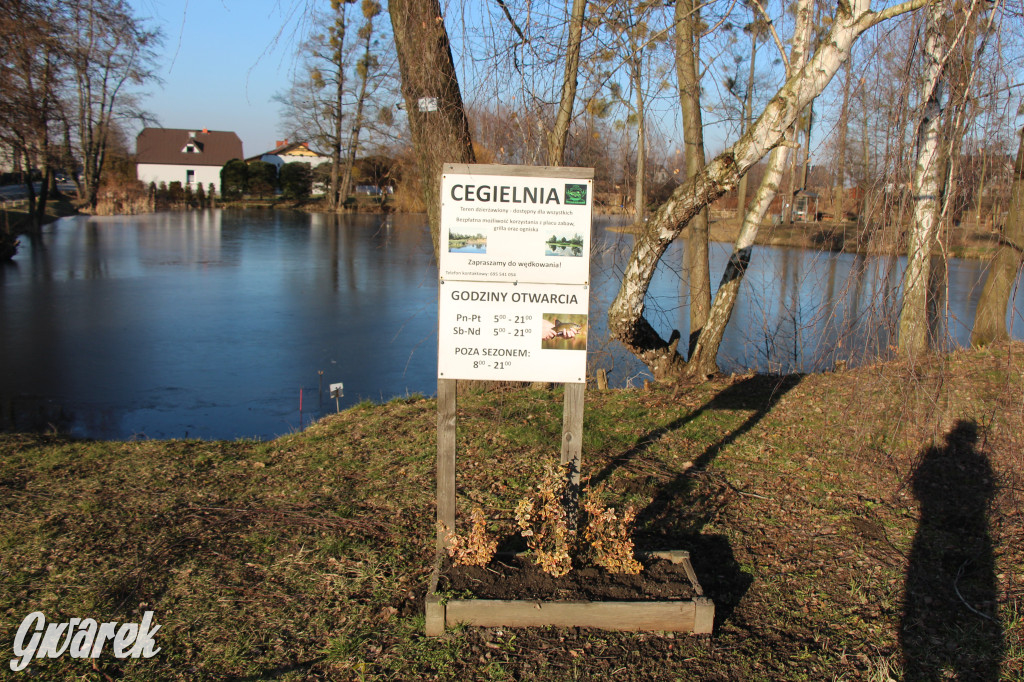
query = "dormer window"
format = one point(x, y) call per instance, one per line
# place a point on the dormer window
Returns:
point(192, 147)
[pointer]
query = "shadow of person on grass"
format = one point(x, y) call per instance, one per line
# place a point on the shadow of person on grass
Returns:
point(950, 626)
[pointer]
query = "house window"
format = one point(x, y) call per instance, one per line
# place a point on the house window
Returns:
point(190, 177)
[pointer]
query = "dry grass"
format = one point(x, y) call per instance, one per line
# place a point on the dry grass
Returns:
point(814, 507)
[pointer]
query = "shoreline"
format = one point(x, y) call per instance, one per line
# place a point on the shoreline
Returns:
point(969, 242)
point(847, 237)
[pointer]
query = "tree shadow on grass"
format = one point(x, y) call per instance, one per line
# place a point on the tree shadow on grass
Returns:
point(676, 516)
point(950, 625)
point(759, 393)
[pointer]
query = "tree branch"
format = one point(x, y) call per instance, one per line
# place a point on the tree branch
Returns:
point(775, 36)
point(872, 18)
point(508, 15)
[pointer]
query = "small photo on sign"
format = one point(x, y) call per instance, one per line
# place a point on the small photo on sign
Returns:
point(564, 243)
point(560, 331)
point(467, 243)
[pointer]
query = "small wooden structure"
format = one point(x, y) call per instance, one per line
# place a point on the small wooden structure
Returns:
point(805, 206)
point(692, 615)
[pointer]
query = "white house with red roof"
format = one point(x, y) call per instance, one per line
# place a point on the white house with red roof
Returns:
point(191, 156)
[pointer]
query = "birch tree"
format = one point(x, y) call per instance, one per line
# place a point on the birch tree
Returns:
point(703, 358)
point(626, 313)
point(929, 188)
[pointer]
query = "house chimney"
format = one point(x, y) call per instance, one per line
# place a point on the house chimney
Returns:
point(206, 131)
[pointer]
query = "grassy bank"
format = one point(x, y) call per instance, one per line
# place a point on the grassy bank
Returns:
point(826, 514)
point(15, 218)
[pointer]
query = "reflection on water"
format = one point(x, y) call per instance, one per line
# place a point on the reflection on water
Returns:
point(559, 250)
point(208, 324)
point(803, 310)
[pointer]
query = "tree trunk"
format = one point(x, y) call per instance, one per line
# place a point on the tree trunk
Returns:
point(640, 190)
point(807, 148)
point(928, 187)
point(703, 359)
point(334, 200)
point(839, 179)
point(748, 115)
point(990, 321)
point(430, 87)
point(626, 321)
point(698, 274)
point(560, 134)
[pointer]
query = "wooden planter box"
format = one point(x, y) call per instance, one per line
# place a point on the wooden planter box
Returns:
point(696, 615)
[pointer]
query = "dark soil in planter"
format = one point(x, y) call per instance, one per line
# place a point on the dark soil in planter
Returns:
point(520, 578)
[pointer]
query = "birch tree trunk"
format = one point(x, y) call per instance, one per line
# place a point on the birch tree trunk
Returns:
point(433, 101)
point(990, 321)
point(928, 187)
point(560, 134)
point(703, 359)
point(626, 320)
point(698, 274)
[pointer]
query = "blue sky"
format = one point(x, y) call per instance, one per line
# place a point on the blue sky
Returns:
point(222, 61)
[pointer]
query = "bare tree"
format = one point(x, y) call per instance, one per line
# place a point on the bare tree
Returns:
point(687, 41)
point(702, 360)
point(626, 319)
point(365, 68)
point(929, 188)
point(990, 320)
point(111, 52)
point(29, 91)
point(433, 101)
point(560, 133)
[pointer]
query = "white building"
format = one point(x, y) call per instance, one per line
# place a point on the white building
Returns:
point(288, 152)
point(189, 156)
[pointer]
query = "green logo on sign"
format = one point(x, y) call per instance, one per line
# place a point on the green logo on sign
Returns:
point(576, 194)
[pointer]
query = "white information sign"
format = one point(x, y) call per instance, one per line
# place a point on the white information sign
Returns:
point(514, 273)
point(525, 332)
point(503, 228)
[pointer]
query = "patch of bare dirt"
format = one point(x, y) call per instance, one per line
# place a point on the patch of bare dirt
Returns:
point(519, 578)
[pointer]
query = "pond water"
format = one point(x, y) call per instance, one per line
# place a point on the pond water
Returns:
point(211, 324)
point(470, 248)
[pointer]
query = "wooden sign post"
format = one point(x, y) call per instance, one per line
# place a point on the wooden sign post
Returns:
point(513, 299)
point(513, 287)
